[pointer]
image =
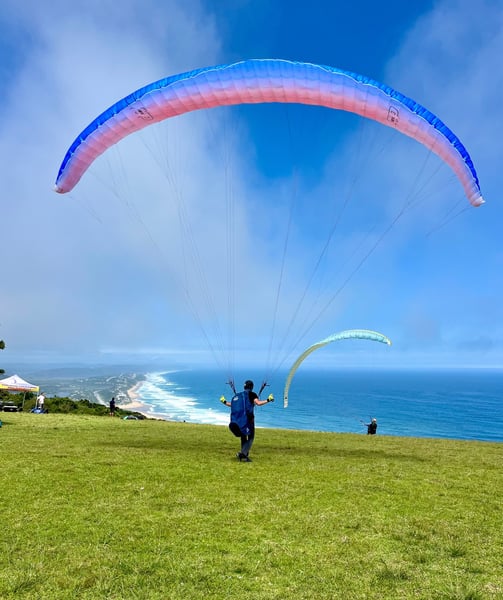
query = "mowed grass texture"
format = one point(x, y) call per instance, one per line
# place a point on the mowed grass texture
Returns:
point(98, 507)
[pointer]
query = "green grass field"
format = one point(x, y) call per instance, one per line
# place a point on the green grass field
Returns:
point(98, 507)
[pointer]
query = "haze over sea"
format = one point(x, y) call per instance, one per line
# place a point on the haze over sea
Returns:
point(459, 404)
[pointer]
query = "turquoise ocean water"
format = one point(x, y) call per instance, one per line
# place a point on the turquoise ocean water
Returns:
point(458, 404)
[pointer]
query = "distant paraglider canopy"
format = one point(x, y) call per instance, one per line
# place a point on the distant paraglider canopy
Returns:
point(360, 334)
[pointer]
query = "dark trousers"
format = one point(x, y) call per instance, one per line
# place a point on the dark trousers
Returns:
point(247, 440)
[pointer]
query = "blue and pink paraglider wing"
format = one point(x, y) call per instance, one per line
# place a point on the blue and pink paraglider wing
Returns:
point(261, 81)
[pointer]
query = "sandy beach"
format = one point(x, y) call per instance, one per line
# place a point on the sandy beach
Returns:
point(134, 403)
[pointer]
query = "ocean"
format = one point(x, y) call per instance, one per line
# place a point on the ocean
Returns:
point(457, 404)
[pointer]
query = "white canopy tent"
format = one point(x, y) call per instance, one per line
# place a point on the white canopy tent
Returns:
point(14, 383)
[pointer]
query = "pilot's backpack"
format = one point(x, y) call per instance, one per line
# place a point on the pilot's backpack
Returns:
point(241, 414)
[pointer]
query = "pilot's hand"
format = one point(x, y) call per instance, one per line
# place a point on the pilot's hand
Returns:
point(270, 398)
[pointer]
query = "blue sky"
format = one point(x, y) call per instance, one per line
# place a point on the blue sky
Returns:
point(133, 265)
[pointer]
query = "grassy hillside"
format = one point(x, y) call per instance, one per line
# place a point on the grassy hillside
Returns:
point(97, 507)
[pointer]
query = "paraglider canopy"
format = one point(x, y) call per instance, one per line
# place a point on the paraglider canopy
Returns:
point(255, 82)
point(267, 80)
point(360, 334)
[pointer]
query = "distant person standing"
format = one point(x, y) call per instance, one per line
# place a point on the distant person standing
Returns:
point(41, 401)
point(112, 407)
point(371, 427)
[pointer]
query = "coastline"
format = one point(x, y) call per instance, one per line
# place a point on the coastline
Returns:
point(164, 405)
point(135, 404)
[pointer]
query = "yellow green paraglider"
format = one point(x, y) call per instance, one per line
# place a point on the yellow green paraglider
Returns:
point(360, 334)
